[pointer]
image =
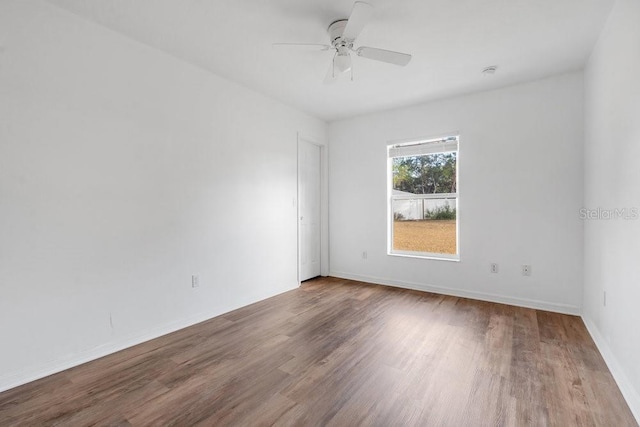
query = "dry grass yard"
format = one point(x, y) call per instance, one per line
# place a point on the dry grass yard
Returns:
point(435, 236)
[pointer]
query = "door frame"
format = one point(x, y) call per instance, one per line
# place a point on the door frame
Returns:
point(324, 199)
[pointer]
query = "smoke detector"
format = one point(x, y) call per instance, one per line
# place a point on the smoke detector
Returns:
point(490, 69)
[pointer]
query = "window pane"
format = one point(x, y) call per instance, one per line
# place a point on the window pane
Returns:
point(425, 225)
point(428, 174)
point(424, 203)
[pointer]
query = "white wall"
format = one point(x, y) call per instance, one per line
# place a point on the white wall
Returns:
point(117, 167)
point(520, 183)
point(612, 180)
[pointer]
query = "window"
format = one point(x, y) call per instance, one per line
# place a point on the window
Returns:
point(423, 198)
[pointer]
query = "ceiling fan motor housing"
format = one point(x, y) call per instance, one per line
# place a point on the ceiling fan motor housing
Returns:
point(336, 30)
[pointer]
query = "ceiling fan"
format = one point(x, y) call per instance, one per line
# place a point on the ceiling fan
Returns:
point(342, 36)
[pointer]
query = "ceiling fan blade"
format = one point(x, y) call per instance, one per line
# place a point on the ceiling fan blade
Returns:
point(389, 56)
point(331, 76)
point(360, 16)
point(304, 46)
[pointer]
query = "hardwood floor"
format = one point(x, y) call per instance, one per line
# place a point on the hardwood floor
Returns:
point(337, 352)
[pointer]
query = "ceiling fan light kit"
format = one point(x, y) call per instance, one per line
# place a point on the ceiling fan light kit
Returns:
point(342, 36)
point(342, 62)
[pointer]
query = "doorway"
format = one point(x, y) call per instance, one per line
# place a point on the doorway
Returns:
point(309, 209)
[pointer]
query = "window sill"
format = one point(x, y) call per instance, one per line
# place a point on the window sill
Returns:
point(435, 257)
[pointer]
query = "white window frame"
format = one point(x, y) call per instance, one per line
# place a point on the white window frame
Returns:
point(418, 147)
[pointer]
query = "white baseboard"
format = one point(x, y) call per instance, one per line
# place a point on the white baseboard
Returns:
point(16, 379)
point(629, 393)
point(482, 296)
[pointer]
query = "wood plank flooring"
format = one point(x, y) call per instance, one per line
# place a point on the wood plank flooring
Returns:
point(342, 353)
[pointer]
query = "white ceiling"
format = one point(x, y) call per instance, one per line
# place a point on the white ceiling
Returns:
point(451, 42)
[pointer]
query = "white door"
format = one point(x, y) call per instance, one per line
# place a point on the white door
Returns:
point(309, 209)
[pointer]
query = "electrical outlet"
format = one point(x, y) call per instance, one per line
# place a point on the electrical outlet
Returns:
point(195, 281)
point(494, 267)
point(364, 254)
point(526, 270)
